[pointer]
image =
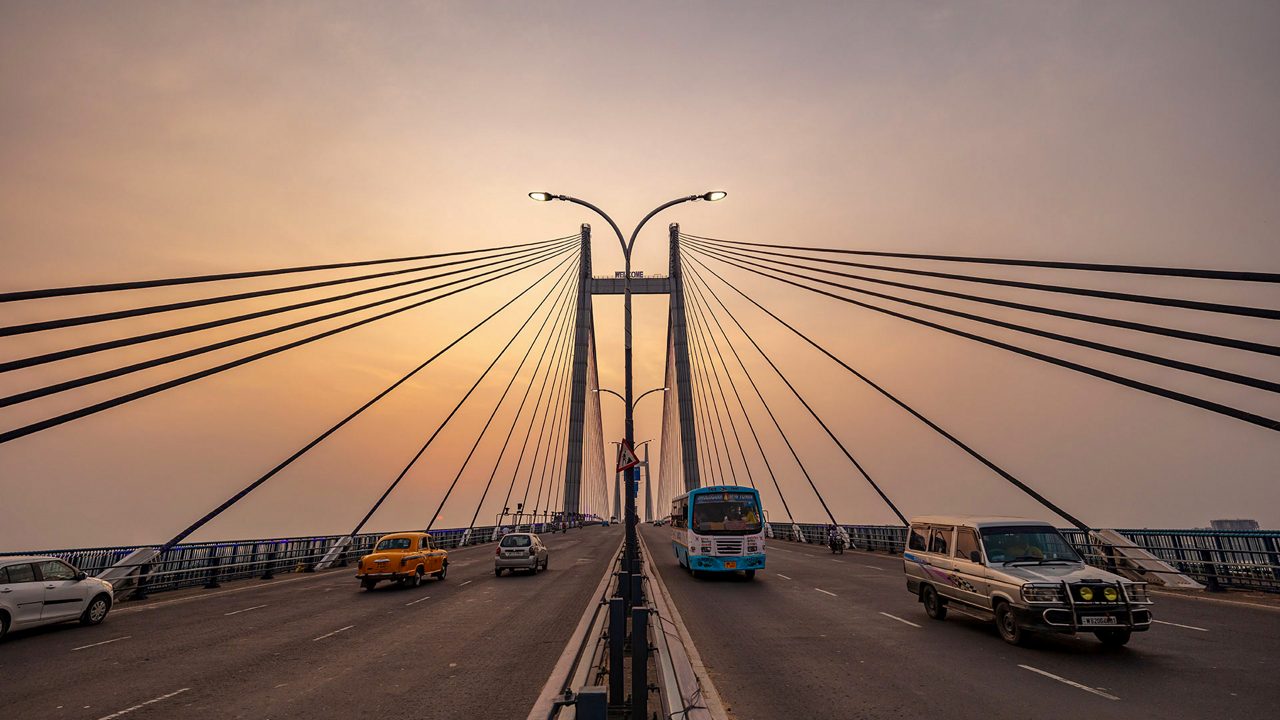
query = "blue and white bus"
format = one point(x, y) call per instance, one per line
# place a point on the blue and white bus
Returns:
point(719, 529)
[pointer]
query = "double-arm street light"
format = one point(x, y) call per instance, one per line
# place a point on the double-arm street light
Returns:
point(710, 196)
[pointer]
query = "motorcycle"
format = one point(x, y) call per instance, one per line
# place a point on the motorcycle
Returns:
point(837, 545)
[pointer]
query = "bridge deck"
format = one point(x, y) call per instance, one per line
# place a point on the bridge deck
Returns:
point(823, 636)
point(471, 646)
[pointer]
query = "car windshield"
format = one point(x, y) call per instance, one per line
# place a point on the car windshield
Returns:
point(729, 513)
point(394, 544)
point(516, 541)
point(1027, 544)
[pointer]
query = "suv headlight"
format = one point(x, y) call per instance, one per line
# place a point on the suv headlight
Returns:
point(1042, 593)
point(1137, 592)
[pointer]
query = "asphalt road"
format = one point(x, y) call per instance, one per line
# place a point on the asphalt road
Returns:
point(818, 635)
point(316, 646)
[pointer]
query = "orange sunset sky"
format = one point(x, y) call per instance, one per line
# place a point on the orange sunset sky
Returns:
point(143, 139)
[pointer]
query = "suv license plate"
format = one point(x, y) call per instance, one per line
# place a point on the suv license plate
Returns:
point(730, 565)
point(1098, 620)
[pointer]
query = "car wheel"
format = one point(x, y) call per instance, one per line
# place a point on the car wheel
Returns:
point(97, 610)
point(1007, 624)
point(534, 569)
point(750, 574)
point(4, 625)
point(1113, 638)
point(444, 570)
point(546, 563)
point(497, 572)
point(368, 585)
point(933, 605)
point(415, 580)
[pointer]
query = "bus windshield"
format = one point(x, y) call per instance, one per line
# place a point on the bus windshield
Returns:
point(728, 513)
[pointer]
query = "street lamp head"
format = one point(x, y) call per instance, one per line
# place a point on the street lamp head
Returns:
point(714, 195)
point(542, 196)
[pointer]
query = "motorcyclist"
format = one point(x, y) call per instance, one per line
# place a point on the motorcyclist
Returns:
point(834, 539)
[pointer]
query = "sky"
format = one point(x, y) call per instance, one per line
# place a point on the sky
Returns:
point(144, 140)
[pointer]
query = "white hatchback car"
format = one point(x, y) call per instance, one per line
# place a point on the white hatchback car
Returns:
point(39, 590)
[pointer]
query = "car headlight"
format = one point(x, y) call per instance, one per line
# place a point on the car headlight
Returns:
point(1110, 594)
point(1042, 593)
point(1137, 592)
point(1086, 593)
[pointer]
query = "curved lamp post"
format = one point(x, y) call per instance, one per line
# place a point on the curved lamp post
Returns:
point(710, 196)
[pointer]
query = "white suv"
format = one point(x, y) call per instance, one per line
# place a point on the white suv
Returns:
point(39, 590)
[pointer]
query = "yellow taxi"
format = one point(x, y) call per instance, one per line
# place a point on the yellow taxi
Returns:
point(405, 558)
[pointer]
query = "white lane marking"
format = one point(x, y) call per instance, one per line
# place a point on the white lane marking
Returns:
point(836, 560)
point(827, 592)
point(335, 632)
point(1072, 683)
point(142, 705)
point(1189, 627)
point(104, 642)
point(415, 602)
point(237, 612)
point(873, 567)
point(784, 577)
point(466, 583)
point(895, 617)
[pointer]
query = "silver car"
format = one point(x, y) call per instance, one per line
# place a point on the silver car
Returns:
point(1023, 574)
point(41, 590)
point(520, 551)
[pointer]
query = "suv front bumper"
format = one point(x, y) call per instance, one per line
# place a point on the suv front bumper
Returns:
point(1063, 619)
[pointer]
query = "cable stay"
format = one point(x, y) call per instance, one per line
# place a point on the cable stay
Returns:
point(1241, 310)
point(812, 412)
point(562, 322)
point(1206, 338)
point(552, 311)
point(444, 423)
point(64, 386)
point(194, 279)
point(704, 330)
point(341, 423)
point(1071, 340)
point(1238, 275)
point(1187, 399)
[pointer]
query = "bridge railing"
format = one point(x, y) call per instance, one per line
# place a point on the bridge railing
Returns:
point(209, 563)
point(1244, 560)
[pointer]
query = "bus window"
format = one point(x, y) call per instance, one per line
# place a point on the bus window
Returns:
point(726, 513)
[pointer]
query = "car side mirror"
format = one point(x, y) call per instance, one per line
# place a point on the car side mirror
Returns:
point(975, 556)
point(81, 575)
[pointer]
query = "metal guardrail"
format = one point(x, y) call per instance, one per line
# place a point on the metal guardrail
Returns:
point(1220, 559)
point(208, 563)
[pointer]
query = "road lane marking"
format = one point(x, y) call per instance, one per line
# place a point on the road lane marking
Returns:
point(237, 612)
point(836, 560)
point(895, 617)
point(1072, 683)
point(827, 592)
point(873, 567)
point(126, 711)
point(1189, 627)
point(415, 602)
point(784, 577)
point(466, 583)
point(104, 642)
point(335, 632)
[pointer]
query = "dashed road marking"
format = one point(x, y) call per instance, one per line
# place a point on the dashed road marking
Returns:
point(415, 602)
point(128, 710)
point(1189, 627)
point(237, 612)
point(104, 642)
point(1072, 683)
point(873, 567)
point(895, 617)
point(335, 632)
point(784, 577)
point(466, 583)
point(826, 591)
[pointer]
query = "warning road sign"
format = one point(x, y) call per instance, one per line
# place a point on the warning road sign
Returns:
point(626, 457)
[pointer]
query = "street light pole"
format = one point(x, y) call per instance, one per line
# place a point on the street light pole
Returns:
point(712, 196)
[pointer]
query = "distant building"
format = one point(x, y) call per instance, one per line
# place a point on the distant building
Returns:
point(1234, 524)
